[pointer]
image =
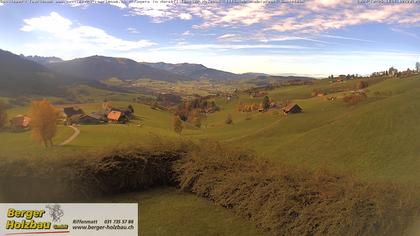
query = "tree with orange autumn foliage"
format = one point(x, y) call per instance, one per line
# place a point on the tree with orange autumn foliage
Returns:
point(44, 121)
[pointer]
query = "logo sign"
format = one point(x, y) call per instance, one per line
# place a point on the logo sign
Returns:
point(103, 219)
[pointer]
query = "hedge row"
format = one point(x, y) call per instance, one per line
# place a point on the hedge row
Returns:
point(284, 200)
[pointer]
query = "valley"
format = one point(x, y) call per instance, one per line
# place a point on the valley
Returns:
point(374, 140)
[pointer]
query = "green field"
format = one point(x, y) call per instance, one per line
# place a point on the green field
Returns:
point(167, 211)
point(376, 140)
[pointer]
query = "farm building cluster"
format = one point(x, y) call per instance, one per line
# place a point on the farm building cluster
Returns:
point(268, 104)
point(74, 115)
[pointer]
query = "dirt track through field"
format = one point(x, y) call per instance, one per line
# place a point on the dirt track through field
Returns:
point(72, 137)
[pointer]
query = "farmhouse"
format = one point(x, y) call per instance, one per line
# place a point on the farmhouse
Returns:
point(20, 121)
point(127, 112)
point(117, 116)
point(292, 108)
point(100, 115)
point(85, 120)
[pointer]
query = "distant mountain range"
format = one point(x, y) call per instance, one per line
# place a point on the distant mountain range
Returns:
point(198, 71)
point(100, 68)
point(40, 75)
point(42, 60)
point(21, 76)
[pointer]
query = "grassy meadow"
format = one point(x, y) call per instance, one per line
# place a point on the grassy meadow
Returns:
point(167, 211)
point(376, 140)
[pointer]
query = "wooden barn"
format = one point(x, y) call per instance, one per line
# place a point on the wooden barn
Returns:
point(71, 111)
point(72, 114)
point(85, 120)
point(20, 122)
point(89, 120)
point(292, 108)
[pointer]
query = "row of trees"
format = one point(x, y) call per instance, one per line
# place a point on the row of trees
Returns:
point(178, 125)
point(265, 105)
point(201, 105)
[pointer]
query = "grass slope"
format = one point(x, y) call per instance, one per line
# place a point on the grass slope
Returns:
point(166, 211)
point(375, 139)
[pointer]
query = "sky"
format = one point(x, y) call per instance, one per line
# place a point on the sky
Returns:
point(303, 37)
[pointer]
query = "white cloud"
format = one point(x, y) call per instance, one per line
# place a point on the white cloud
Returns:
point(132, 30)
point(1, 4)
point(61, 32)
point(187, 33)
point(347, 38)
point(159, 12)
point(411, 34)
point(290, 38)
point(227, 36)
point(184, 46)
point(53, 23)
point(283, 62)
point(311, 17)
point(185, 16)
point(118, 3)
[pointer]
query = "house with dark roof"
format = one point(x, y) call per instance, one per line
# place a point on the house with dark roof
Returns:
point(84, 120)
point(71, 111)
point(72, 114)
point(292, 108)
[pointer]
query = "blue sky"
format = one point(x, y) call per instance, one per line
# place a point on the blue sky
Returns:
point(317, 37)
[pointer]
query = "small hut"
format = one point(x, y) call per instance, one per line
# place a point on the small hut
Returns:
point(292, 108)
point(20, 122)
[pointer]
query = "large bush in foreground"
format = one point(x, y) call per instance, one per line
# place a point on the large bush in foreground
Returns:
point(290, 200)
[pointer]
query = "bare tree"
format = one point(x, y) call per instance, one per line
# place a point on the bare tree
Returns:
point(177, 125)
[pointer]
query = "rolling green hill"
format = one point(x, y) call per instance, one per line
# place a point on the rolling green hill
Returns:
point(21, 76)
point(101, 68)
point(375, 140)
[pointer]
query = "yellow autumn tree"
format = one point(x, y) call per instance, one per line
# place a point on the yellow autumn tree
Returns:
point(44, 118)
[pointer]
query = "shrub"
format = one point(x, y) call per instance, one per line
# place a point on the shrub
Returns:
point(289, 200)
point(281, 199)
point(229, 119)
point(354, 99)
point(89, 175)
point(361, 84)
point(3, 114)
point(266, 103)
point(178, 125)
